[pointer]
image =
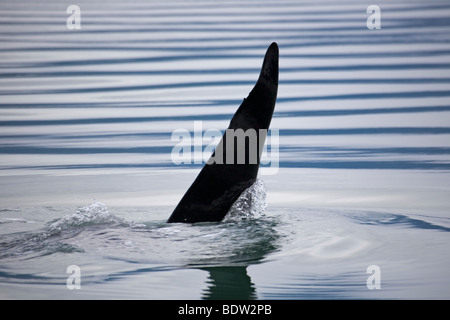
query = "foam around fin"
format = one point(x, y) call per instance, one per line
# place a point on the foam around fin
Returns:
point(251, 204)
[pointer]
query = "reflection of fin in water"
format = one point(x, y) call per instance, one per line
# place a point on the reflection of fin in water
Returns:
point(223, 179)
point(229, 283)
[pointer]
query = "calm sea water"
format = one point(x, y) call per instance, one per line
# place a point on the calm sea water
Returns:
point(87, 178)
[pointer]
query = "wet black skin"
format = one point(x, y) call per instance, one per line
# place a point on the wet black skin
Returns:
point(219, 185)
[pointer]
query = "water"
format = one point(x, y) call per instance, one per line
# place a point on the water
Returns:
point(86, 118)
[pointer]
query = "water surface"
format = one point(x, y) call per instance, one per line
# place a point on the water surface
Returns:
point(87, 179)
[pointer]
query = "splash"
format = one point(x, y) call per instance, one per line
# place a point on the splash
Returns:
point(96, 213)
point(251, 203)
point(58, 235)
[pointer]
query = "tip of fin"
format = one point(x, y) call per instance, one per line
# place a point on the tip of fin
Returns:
point(269, 70)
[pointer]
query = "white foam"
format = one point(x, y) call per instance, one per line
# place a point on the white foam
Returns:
point(96, 213)
point(251, 203)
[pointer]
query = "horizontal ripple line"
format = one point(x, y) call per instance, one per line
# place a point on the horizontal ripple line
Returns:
point(325, 164)
point(167, 149)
